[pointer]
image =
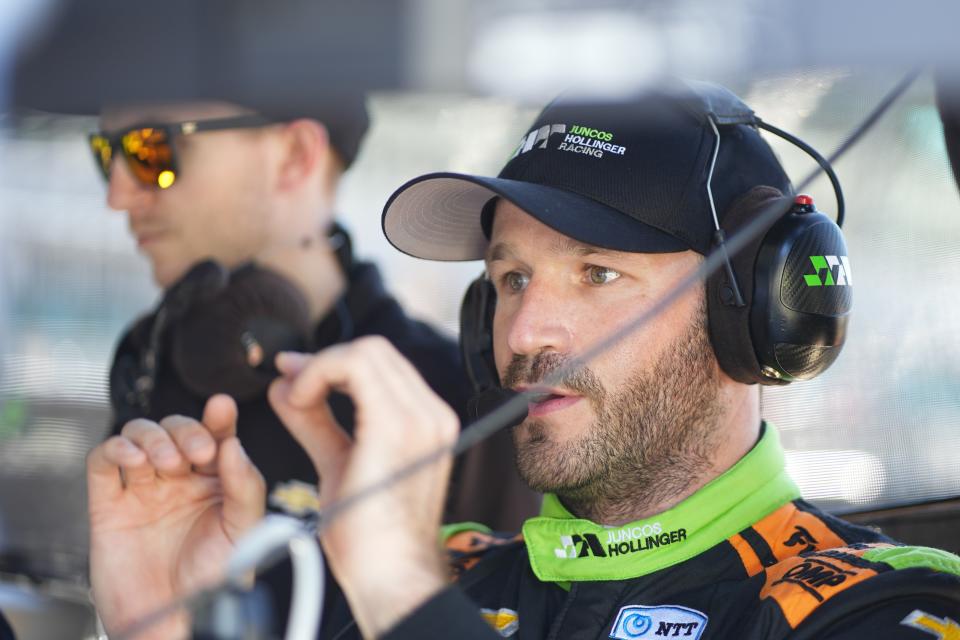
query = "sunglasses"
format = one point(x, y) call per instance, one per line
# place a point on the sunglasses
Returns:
point(148, 148)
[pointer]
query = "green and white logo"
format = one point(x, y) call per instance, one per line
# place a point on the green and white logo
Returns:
point(576, 139)
point(820, 264)
point(617, 541)
point(580, 546)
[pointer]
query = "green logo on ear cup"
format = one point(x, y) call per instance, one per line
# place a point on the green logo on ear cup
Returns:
point(828, 264)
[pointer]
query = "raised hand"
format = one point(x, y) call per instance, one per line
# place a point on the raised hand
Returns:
point(384, 551)
point(167, 502)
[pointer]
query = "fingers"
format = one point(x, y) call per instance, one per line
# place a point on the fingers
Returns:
point(220, 417)
point(104, 463)
point(192, 439)
point(162, 454)
point(291, 363)
point(361, 369)
point(174, 447)
point(393, 403)
point(219, 424)
point(315, 428)
point(372, 372)
point(244, 490)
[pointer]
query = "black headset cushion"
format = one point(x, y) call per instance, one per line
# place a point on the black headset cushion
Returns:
point(207, 342)
point(730, 331)
point(476, 334)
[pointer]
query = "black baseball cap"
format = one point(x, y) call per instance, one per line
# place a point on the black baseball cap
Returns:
point(629, 175)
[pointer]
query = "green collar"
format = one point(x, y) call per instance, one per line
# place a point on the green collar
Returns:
point(564, 548)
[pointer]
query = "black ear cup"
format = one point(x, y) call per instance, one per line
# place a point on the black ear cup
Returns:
point(803, 296)
point(133, 375)
point(217, 331)
point(228, 343)
point(476, 334)
point(729, 324)
point(797, 288)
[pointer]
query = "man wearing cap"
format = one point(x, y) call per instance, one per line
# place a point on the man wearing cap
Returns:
point(668, 511)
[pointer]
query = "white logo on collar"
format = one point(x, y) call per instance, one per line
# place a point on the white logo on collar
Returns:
point(637, 621)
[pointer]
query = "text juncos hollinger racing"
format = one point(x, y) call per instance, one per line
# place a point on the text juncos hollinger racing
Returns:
point(577, 138)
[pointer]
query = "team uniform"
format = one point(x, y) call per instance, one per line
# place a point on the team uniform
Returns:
point(744, 558)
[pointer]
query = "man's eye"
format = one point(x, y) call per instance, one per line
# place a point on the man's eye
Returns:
point(601, 275)
point(515, 281)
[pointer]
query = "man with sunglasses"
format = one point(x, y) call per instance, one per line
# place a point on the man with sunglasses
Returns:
point(214, 181)
point(669, 510)
point(255, 194)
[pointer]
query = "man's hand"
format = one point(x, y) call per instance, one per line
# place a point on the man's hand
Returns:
point(167, 503)
point(384, 550)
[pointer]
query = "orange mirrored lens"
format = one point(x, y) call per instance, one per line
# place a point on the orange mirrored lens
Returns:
point(150, 156)
point(102, 153)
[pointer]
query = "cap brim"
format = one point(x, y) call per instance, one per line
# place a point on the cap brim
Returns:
point(437, 217)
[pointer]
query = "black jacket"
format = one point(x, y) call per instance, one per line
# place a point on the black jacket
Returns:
point(743, 558)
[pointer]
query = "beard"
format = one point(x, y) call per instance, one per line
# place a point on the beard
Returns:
point(652, 438)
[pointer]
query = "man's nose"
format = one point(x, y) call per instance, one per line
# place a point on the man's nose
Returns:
point(540, 323)
point(124, 192)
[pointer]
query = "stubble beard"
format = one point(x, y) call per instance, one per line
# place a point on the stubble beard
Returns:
point(652, 439)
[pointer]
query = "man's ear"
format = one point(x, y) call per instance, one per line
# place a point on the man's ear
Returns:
point(305, 150)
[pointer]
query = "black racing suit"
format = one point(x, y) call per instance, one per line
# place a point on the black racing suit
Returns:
point(742, 558)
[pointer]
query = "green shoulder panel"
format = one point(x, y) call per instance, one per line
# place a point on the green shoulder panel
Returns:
point(447, 531)
point(916, 557)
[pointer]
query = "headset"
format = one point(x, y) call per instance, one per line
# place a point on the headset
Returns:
point(777, 312)
point(218, 331)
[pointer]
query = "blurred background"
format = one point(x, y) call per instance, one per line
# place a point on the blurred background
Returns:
point(454, 86)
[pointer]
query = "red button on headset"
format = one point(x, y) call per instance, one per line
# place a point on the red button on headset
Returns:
point(803, 199)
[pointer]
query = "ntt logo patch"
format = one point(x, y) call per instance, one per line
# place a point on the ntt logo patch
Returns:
point(637, 621)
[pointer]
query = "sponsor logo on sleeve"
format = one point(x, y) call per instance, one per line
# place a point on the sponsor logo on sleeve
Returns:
point(801, 538)
point(800, 584)
point(296, 498)
point(943, 628)
point(665, 621)
point(813, 573)
point(504, 621)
